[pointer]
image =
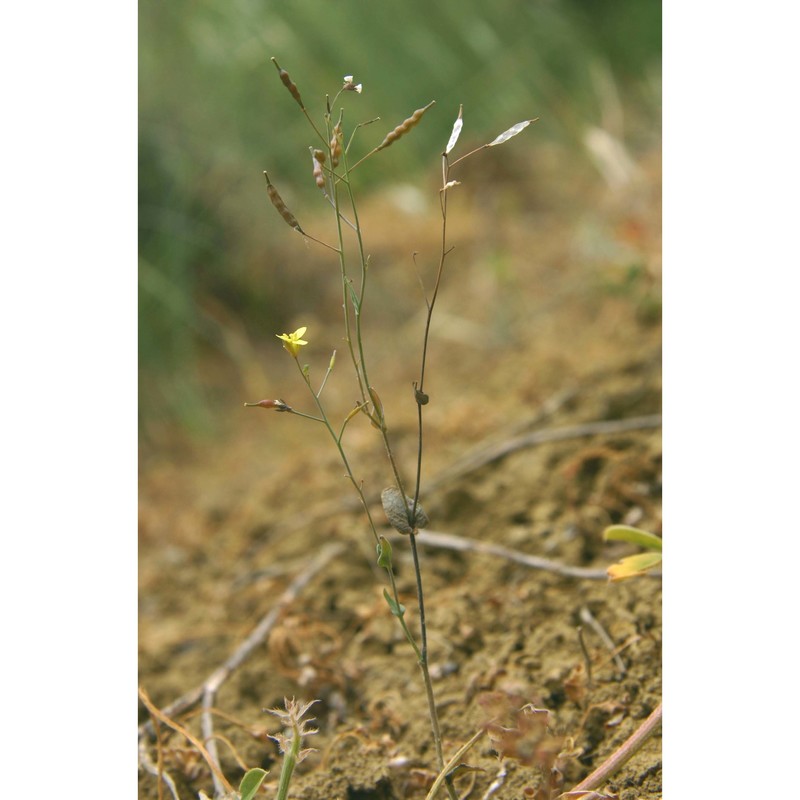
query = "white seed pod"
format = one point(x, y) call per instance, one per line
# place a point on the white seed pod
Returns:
point(398, 512)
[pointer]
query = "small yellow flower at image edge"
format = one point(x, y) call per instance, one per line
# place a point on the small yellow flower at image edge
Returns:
point(292, 342)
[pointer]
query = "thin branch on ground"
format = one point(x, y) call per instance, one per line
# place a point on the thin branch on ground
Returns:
point(488, 455)
point(450, 541)
point(212, 684)
point(146, 762)
point(484, 454)
point(587, 617)
point(585, 789)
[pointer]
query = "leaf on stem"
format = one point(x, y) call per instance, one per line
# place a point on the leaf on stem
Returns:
point(633, 566)
point(398, 609)
point(627, 533)
point(384, 553)
point(251, 783)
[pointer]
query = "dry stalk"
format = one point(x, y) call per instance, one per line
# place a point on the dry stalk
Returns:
point(584, 790)
point(220, 781)
point(587, 617)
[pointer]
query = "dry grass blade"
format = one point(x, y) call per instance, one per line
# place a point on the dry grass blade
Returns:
point(219, 779)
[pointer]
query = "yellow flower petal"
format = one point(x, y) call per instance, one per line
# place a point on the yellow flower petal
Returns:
point(292, 342)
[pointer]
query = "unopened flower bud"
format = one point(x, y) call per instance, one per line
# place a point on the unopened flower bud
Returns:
point(278, 405)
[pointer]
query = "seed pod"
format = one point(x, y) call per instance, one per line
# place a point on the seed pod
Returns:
point(404, 127)
point(336, 144)
point(277, 201)
point(289, 84)
point(377, 419)
point(318, 159)
point(398, 512)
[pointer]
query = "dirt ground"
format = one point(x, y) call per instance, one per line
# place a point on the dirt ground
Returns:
point(549, 322)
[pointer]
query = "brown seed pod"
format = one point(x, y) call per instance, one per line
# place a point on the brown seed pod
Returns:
point(336, 145)
point(277, 201)
point(398, 512)
point(404, 127)
point(318, 159)
point(289, 84)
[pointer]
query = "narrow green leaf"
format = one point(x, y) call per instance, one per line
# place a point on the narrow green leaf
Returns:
point(384, 553)
point(626, 533)
point(398, 609)
point(632, 566)
point(251, 782)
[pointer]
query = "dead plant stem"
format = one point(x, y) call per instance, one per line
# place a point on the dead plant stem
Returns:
point(621, 755)
point(220, 781)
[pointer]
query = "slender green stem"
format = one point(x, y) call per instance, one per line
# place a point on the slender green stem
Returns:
point(359, 339)
point(289, 763)
point(353, 328)
point(337, 441)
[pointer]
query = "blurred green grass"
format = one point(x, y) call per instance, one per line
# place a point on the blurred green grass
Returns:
point(213, 115)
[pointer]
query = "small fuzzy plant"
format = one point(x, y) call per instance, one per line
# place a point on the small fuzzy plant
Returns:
point(333, 170)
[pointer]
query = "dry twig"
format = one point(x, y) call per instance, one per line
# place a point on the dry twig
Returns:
point(585, 789)
point(450, 541)
point(587, 617)
point(487, 455)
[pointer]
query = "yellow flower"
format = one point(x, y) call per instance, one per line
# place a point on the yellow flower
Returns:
point(292, 342)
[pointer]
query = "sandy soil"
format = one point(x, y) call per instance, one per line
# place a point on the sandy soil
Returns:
point(549, 322)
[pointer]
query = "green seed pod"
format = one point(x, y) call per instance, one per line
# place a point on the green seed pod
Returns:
point(289, 84)
point(404, 127)
point(277, 201)
point(398, 512)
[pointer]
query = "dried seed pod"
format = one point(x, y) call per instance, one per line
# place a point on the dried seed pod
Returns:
point(336, 144)
point(377, 420)
point(277, 201)
point(289, 84)
point(318, 159)
point(398, 512)
point(404, 127)
point(512, 131)
point(459, 123)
